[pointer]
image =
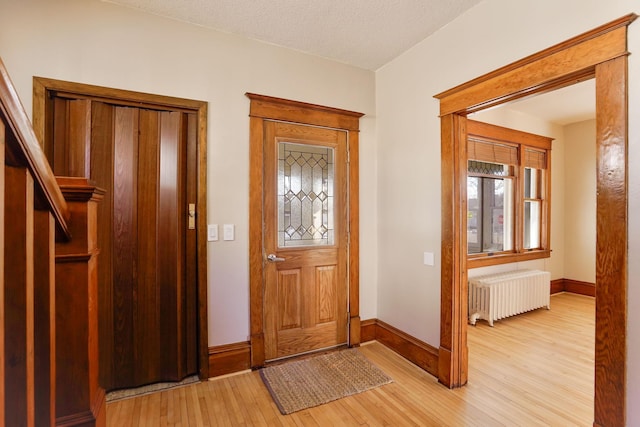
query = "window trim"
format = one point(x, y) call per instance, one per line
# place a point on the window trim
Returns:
point(523, 140)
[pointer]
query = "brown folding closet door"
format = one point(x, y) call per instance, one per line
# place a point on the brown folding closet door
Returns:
point(145, 160)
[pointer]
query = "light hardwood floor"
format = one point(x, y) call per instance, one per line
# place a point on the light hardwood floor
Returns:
point(535, 369)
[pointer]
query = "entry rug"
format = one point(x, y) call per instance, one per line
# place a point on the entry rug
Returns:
point(310, 382)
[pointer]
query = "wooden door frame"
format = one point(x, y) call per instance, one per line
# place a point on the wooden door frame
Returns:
point(43, 88)
point(600, 54)
point(276, 109)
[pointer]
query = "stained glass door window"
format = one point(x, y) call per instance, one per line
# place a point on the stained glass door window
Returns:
point(305, 195)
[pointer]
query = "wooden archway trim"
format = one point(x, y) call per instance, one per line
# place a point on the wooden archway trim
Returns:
point(600, 54)
point(270, 108)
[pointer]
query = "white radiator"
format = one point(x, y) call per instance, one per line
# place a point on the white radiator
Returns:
point(496, 296)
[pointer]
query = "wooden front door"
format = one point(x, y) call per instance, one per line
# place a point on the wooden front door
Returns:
point(145, 160)
point(305, 239)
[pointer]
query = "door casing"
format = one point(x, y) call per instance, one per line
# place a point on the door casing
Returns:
point(42, 89)
point(269, 108)
point(600, 54)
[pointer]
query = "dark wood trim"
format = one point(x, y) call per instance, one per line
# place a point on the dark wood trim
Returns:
point(269, 108)
point(601, 53)
point(581, 288)
point(503, 134)
point(453, 287)
point(42, 90)
point(79, 398)
point(484, 261)
point(611, 242)
point(236, 357)
point(256, 267)
point(30, 152)
point(556, 286)
point(354, 237)
point(573, 286)
point(368, 330)
point(541, 72)
point(416, 351)
point(229, 358)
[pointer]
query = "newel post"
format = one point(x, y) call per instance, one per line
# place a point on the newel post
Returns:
point(80, 401)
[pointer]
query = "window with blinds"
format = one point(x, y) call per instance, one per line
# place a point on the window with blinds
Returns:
point(508, 189)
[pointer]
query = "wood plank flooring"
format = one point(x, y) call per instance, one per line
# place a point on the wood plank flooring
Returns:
point(535, 369)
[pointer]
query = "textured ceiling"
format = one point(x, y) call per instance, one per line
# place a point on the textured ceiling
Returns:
point(363, 33)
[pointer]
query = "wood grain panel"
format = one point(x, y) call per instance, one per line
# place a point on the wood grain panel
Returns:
point(573, 286)
point(45, 318)
point(453, 338)
point(171, 226)
point(574, 61)
point(102, 173)
point(327, 292)
point(411, 348)
point(191, 250)
point(147, 298)
point(611, 242)
point(368, 330)
point(79, 398)
point(60, 152)
point(79, 138)
point(124, 231)
point(18, 310)
point(229, 358)
point(289, 299)
point(354, 238)
point(499, 133)
point(256, 267)
point(268, 107)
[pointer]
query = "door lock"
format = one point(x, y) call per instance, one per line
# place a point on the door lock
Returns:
point(191, 222)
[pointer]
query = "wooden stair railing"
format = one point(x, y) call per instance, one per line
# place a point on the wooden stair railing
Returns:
point(48, 295)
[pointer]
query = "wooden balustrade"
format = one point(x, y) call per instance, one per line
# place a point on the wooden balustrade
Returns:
point(48, 283)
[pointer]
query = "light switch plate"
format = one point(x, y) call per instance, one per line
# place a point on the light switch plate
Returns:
point(228, 231)
point(212, 232)
point(428, 258)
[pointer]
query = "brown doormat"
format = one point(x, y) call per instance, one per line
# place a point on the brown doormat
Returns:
point(314, 381)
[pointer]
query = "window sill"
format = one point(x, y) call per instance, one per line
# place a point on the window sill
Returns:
point(484, 260)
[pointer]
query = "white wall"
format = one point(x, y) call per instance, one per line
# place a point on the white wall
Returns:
point(580, 202)
point(492, 34)
point(89, 41)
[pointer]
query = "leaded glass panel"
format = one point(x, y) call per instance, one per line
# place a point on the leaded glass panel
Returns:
point(305, 195)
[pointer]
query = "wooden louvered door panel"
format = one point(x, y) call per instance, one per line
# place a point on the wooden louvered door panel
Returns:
point(145, 160)
point(305, 231)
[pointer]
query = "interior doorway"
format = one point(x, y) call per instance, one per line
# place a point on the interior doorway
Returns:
point(599, 54)
point(146, 152)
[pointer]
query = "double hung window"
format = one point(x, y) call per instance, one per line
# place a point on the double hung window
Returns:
point(508, 192)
